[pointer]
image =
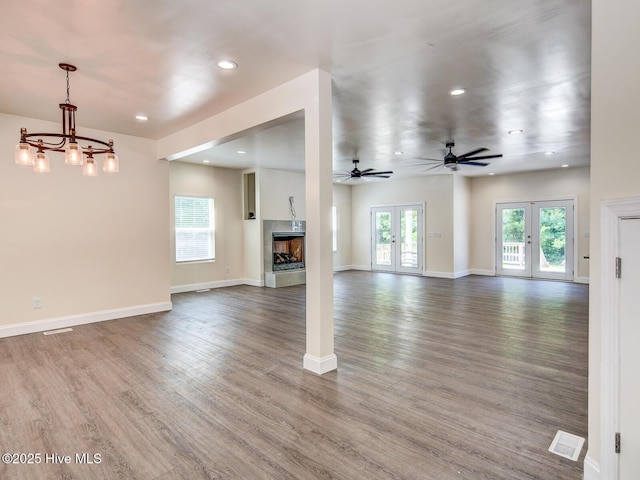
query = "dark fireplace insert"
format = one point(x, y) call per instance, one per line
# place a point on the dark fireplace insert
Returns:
point(288, 250)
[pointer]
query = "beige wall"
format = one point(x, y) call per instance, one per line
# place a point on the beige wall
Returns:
point(225, 186)
point(276, 186)
point(461, 225)
point(615, 168)
point(83, 245)
point(342, 202)
point(544, 185)
point(435, 190)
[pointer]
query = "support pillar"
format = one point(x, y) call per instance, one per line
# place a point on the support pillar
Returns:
point(319, 357)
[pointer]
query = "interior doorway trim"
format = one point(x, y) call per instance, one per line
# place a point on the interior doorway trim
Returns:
point(611, 212)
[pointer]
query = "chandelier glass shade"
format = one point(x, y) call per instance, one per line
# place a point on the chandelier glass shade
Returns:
point(78, 150)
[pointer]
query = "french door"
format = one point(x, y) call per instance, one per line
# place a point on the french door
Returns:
point(396, 238)
point(535, 239)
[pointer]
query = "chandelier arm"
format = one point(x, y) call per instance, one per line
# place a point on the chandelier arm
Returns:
point(36, 140)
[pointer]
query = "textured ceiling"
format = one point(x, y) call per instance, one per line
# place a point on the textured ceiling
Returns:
point(525, 65)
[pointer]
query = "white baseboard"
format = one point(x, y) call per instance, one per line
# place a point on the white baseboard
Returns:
point(582, 280)
point(343, 268)
point(252, 282)
point(438, 274)
point(488, 273)
point(366, 268)
point(81, 319)
point(591, 468)
point(320, 365)
point(202, 286)
point(461, 274)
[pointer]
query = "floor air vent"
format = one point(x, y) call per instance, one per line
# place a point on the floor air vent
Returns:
point(567, 445)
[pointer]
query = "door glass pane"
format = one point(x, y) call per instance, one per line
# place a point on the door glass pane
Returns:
point(409, 238)
point(553, 222)
point(513, 241)
point(383, 238)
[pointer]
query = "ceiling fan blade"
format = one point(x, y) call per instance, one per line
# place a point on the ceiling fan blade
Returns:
point(476, 164)
point(433, 167)
point(382, 176)
point(439, 160)
point(376, 173)
point(472, 153)
point(367, 170)
point(485, 157)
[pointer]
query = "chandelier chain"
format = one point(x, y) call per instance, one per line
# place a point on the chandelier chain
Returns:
point(68, 101)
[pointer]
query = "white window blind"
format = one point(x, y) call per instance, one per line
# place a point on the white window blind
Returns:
point(195, 232)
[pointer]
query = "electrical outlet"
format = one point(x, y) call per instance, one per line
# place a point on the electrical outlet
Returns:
point(37, 302)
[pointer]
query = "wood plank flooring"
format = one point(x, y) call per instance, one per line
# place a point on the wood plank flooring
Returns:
point(437, 379)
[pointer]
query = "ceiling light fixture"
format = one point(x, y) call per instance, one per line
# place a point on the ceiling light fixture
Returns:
point(398, 152)
point(515, 132)
point(227, 64)
point(142, 118)
point(456, 92)
point(206, 161)
point(491, 173)
point(31, 149)
point(241, 152)
point(564, 166)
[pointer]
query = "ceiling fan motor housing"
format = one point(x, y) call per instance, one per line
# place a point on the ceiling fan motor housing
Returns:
point(450, 160)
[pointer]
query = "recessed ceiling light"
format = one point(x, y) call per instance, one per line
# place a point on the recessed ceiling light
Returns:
point(549, 153)
point(457, 92)
point(397, 152)
point(227, 64)
point(515, 132)
point(564, 166)
point(206, 161)
point(241, 152)
point(142, 118)
point(491, 173)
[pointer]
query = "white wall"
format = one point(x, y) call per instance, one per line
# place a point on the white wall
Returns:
point(615, 168)
point(461, 225)
point(436, 190)
point(83, 245)
point(225, 186)
point(342, 202)
point(548, 184)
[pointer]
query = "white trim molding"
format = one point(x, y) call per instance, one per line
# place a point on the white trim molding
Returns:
point(81, 319)
point(591, 469)
point(584, 280)
point(438, 274)
point(487, 273)
point(194, 287)
point(365, 268)
point(342, 268)
point(611, 212)
point(461, 274)
point(319, 365)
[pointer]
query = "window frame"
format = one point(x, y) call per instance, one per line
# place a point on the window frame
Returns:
point(211, 230)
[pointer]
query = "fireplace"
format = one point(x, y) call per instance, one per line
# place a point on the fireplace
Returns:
point(288, 250)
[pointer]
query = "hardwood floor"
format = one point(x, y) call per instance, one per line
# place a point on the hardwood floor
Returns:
point(437, 379)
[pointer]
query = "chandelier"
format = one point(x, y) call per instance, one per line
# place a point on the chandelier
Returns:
point(77, 150)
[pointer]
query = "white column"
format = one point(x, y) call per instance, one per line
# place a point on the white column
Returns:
point(319, 357)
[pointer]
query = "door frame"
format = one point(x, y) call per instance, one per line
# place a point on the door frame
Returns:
point(573, 198)
point(421, 238)
point(611, 212)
